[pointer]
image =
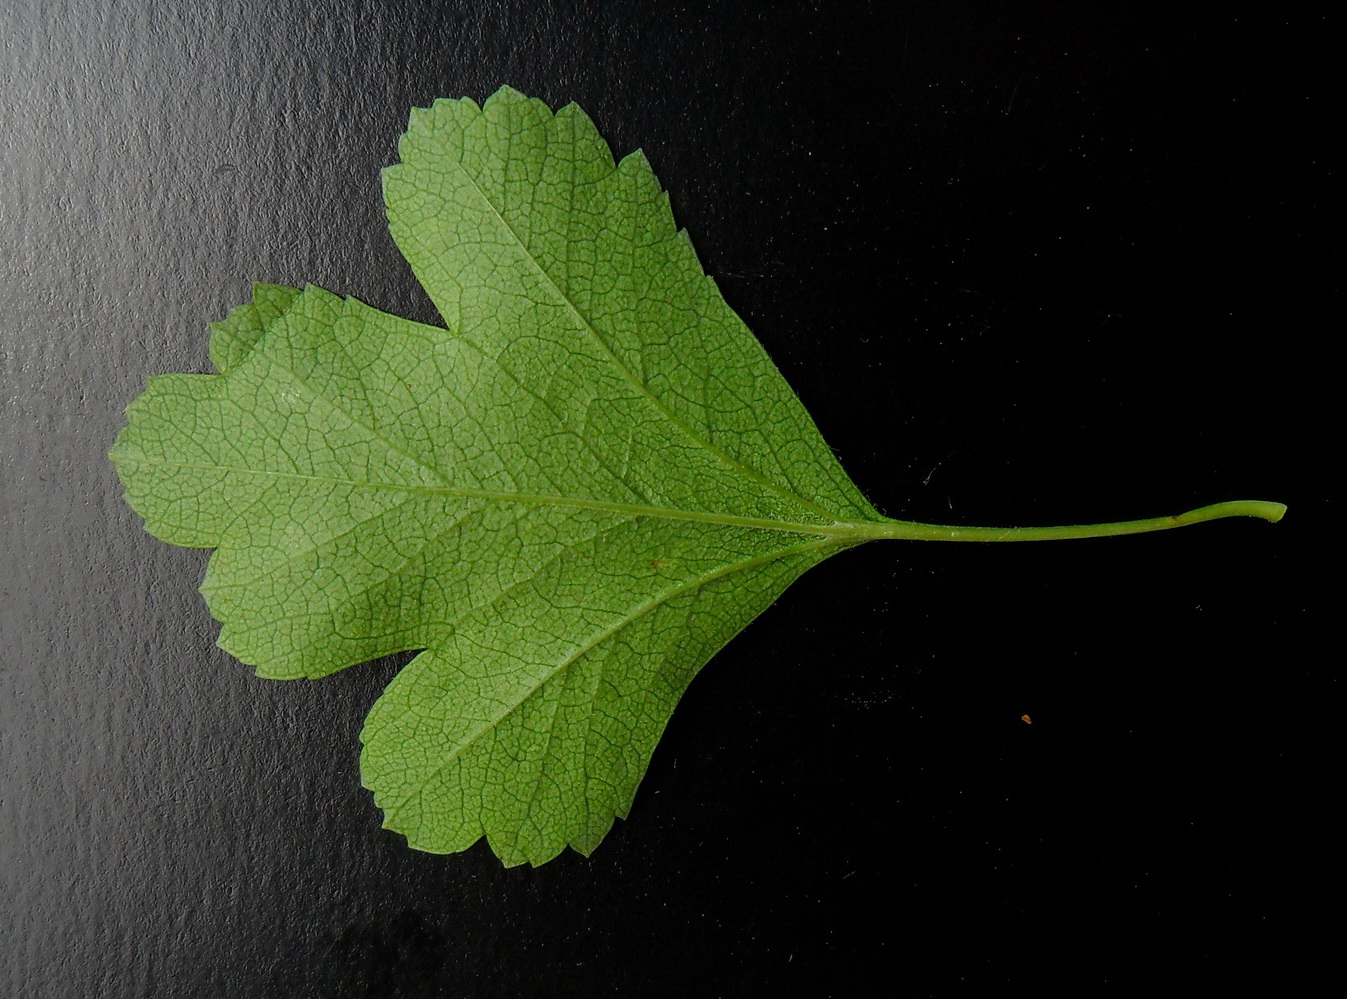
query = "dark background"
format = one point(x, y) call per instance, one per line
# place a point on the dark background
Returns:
point(1025, 264)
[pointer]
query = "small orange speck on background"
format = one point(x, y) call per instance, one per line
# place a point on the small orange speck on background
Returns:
point(1026, 719)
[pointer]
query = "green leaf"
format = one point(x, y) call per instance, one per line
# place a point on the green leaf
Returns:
point(570, 498)
point(570, 501)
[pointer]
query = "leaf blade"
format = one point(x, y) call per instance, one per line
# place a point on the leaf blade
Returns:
point(569, 500)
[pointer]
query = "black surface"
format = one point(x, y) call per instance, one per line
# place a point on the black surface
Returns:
point(1025, 265)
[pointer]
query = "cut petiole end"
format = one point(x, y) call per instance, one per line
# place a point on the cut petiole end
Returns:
point(1262, 509)
point(901, 529)
point(1271, 512)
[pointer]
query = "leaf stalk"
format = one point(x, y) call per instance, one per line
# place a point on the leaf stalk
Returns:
point(912, 531)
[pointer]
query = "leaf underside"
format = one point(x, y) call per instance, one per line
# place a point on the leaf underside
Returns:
point(570, 498)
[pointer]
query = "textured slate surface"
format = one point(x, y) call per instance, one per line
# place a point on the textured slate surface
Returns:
point(1022, 267)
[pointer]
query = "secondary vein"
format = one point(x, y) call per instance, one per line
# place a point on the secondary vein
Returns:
point(626, 373)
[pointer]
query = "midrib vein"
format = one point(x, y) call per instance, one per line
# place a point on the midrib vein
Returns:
point(624, 372)
point(837, 530)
